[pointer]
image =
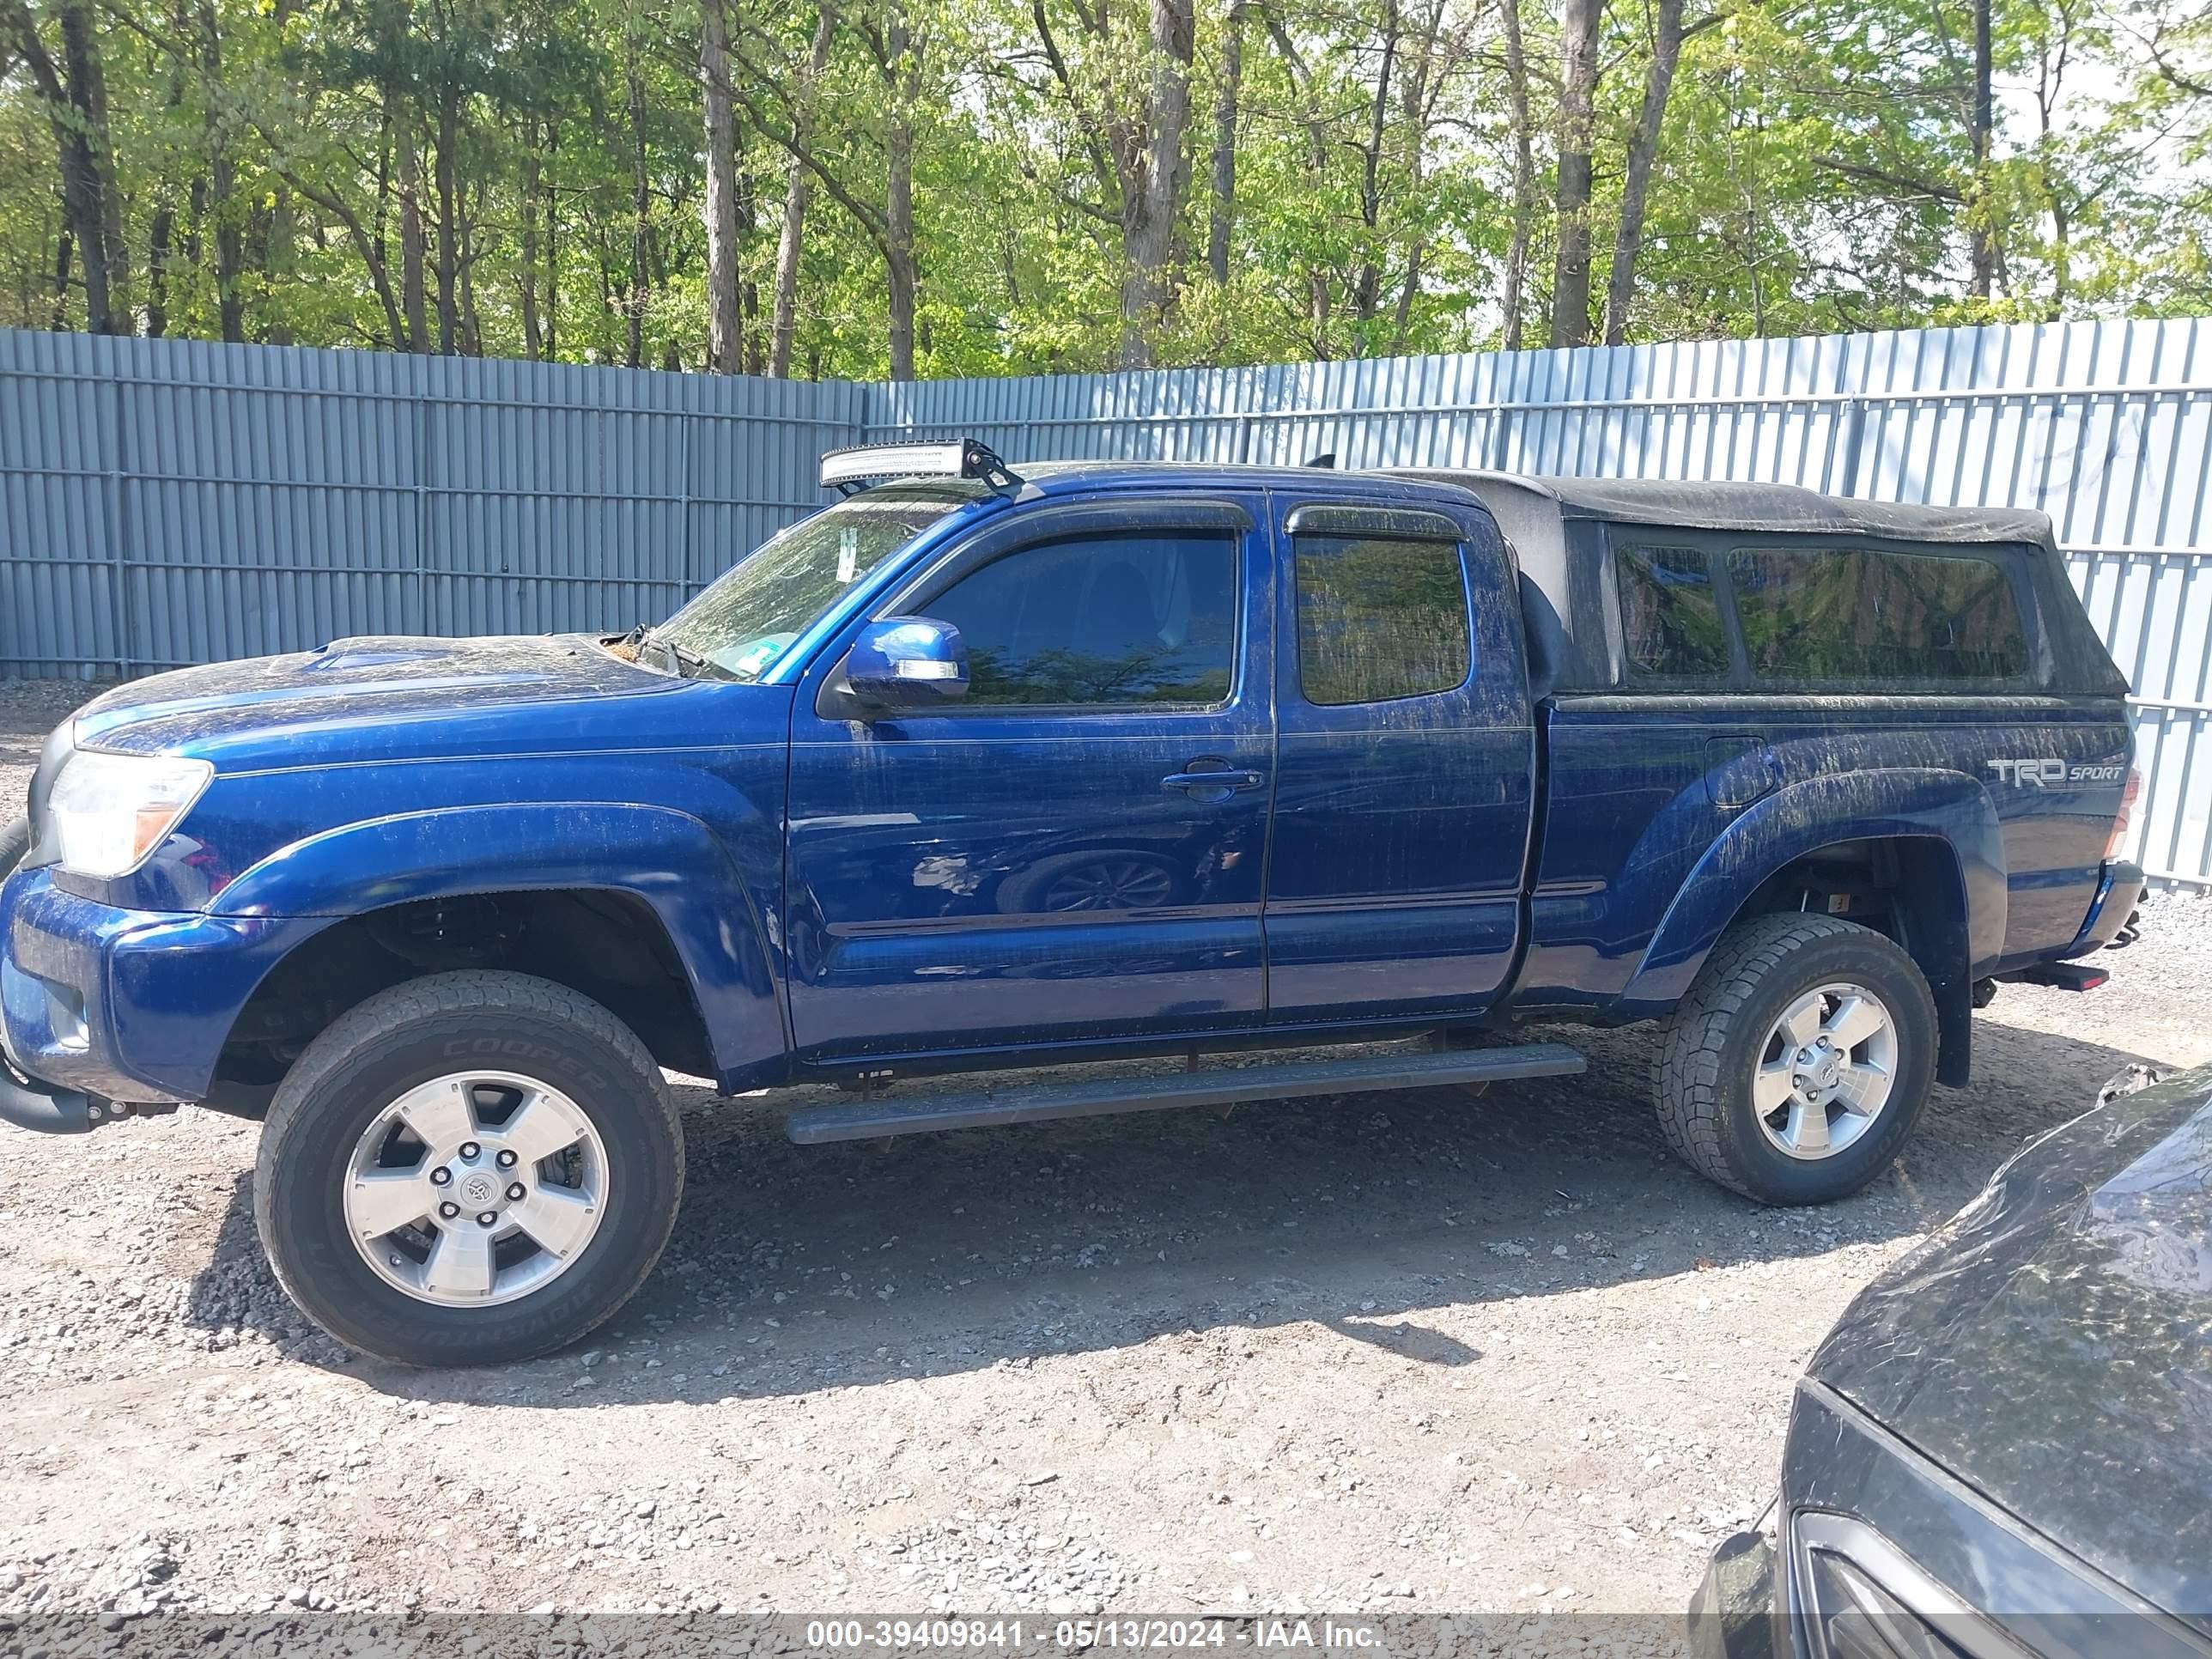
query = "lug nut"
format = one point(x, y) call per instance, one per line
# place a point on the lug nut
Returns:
point(506, 1159)
point(449, 1210)
point(488, 1219)
point(515, 1194)
point(469, 1149)
point(441, 1176)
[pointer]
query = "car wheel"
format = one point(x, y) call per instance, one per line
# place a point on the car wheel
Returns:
point(1800, 1061)
point(467, 1170)
point(14, 841)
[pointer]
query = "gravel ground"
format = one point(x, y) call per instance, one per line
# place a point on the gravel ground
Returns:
point(1401, 1353)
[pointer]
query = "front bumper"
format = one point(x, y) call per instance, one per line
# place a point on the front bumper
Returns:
point(1874, 1552)
point(101, 1004)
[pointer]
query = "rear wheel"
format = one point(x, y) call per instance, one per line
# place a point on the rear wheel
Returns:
point(469, 1169)
point(1800, 1061)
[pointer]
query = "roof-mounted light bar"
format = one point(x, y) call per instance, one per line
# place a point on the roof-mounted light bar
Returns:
point(955, 458)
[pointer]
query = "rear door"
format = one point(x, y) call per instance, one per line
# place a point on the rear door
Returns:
point(1406, 764)
point(1075, 851)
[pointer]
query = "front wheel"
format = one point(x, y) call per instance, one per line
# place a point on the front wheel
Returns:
point(468, 1169)
point(1800, 1061)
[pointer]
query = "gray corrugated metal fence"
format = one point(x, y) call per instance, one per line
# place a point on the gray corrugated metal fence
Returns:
point(173, 502)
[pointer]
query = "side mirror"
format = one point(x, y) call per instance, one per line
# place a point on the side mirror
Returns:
point(908, 662)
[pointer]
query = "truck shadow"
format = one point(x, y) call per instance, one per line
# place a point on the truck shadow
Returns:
point(794, 1269)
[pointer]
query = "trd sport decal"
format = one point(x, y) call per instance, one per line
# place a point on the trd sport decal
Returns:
point(2053, 774)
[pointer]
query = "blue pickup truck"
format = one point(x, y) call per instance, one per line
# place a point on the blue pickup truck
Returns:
point(972, 772)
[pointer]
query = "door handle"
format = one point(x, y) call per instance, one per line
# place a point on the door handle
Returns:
point(1213, 785)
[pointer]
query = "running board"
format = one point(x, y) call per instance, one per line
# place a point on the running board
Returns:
point(2065, 975)
point(1221, 1086)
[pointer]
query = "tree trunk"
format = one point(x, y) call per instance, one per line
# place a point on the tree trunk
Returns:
point(900, 53)
point(162, 234)
point(1423, 80)
point(720, 210)
point(270, 250)
point(62, 250)
point(78, 139)
point(384, 197)
point(449, 128)
point(1524, 174)
point(525, 279)
point(220, 205)
point(1222, 221)
point(472, 331)
point(89, 91)
point(1982, 244)
point(752, 350)
point(898, 236)
point(797, 186)
point(273, 224)
point(1149, 209)
point(410, 240)
point(1402, 323)
point(78, 160)
point(1570, 272)
point(1643, 152)
point(641, 200)
point(552, 251)
point(1367, 286)
point(157, 269)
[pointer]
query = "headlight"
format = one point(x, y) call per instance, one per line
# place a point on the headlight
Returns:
point(109, 812)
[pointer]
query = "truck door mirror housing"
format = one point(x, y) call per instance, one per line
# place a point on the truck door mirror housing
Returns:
point(908, 662)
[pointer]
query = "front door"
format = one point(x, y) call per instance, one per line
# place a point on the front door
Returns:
point(1074, 853)
point(1407, 766)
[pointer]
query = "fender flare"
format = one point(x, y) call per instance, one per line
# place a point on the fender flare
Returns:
point(1886, 803)
point(671, 860)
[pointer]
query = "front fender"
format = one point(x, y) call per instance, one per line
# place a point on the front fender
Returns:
point(1803, 817)
point(669, 860)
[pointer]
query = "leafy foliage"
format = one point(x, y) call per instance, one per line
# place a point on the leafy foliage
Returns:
point(1068, 184)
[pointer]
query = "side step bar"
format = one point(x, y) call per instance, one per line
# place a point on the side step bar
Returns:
point(1221, 1086)
point(2065, 975)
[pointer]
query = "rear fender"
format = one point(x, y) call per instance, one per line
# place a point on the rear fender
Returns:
point(1918, 803)
point(670, 860)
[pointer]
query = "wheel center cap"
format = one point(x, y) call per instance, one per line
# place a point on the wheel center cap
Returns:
point(1828, 1069)
point(478, 1188)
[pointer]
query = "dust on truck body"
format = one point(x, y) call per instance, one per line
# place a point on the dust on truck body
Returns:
point(972, 771)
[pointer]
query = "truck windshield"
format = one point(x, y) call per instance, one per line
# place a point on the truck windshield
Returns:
point(747, 619)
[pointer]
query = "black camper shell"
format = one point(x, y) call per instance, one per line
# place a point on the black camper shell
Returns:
point(1567, 533)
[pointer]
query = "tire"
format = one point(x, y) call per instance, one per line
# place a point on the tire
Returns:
point(14, 841)
point(438, 1041)
point(1728, 1029)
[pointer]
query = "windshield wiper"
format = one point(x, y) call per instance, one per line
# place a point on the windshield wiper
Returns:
point(687, 662)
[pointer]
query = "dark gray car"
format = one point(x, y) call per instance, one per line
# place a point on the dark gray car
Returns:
point(2004, 1447)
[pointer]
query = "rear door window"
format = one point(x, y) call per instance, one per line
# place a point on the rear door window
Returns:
point(1855, 614)
point(1380, 618)
point(1670, 613)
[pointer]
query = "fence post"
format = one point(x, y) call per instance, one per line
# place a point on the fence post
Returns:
point(421, 582)
point(1854, 414)
point(118, 531)
point(691, 582)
